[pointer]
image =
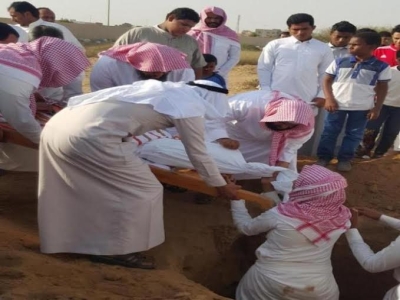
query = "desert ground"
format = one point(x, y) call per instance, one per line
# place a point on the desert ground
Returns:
point(203, 257)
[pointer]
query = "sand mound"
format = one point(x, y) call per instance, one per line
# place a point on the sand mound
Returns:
point(203, 251)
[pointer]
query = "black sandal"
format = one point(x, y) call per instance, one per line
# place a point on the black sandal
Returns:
point(133, 260)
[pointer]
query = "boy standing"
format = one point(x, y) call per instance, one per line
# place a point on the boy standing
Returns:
point(209, 70)
point(389, 117)
point(350, 85)
point(339, 38)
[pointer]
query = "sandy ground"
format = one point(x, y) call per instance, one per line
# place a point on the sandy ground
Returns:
point(203, 252)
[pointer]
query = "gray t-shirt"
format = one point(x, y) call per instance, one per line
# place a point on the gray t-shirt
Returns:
point(154, 34)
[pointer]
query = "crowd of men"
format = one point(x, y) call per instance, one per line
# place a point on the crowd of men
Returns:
point(98, 197)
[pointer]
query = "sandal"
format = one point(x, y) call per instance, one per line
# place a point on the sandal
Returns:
point(133, 260)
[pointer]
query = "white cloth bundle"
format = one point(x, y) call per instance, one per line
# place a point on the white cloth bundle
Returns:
point(171, 152)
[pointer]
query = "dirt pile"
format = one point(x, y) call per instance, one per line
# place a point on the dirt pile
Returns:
point(202, 246)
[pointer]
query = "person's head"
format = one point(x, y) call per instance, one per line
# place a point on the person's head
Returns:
point(386, 38)
point(284, 34)
point(46, 14)
point(213, 16)
point(282, 114)
point(301, 26)
point(364, 42)
point(151, 60)
point(42, 30)
point(179, 21)
point(160, 76)
point(23, 13)
point(61, 61)
point(341, 33)
point(212, 62)
point(396, 36)
point(8, 34)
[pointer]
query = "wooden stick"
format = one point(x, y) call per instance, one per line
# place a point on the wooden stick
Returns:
point(192, 181)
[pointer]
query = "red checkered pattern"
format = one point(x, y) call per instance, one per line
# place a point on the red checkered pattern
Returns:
point(149, 57)
point(317, 201)
point(54, 61)
point(205, 41)
point(280, 109)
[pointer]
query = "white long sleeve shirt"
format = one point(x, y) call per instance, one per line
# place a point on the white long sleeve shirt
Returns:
point(246, 111)
point(384, 260)
point(110, 72)
point(284, 245)
point(294, 67)
point(16, 87)
point(227, 53)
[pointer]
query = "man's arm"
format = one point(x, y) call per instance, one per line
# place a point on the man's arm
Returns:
point(381, 90)
point(265, 66)
point(326, 62)
point(233, 59)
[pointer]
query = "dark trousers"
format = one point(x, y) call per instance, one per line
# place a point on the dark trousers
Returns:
point(390, 119)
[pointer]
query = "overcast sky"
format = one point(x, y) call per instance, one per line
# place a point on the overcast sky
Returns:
point(254, 13)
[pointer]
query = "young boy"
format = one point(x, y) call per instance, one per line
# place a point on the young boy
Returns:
point(339, 38)
point(389, 117)
point(208, 70)
point(350, 86)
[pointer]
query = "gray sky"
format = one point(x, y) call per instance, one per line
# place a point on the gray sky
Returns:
point(254, 13)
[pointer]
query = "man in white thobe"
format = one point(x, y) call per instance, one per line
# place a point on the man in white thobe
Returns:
point(95, 195)
point(257, 142)
point(296, 65)
point(215, 38)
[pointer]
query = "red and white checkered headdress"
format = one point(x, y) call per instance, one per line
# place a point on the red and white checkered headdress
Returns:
point(280, 109)
point(316, 201)
point(149, 57)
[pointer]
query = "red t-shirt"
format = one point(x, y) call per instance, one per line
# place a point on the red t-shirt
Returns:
point(387, 54)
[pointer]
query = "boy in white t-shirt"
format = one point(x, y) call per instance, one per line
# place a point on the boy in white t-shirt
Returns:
point(389, 118)
point(350, 86)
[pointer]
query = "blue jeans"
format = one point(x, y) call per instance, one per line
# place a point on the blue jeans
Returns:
point(356, 122)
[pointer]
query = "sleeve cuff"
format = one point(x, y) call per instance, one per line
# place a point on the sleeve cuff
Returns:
point(353, 235)
point(238, 204)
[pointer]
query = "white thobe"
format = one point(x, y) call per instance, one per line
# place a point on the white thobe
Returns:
point(294, 67)
point(227, 53)
point(288, 265)
point(23, 35)
point(16, 87)
point(95, 195)
point(384, 260)
point(246, 111)
point(109, 72)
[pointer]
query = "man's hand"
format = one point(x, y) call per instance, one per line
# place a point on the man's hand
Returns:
point(369, 213)
point(354, 218)
point(229, 191)
point(229, 143)
point(374, 113)
point(319, 102)
point(331, 105)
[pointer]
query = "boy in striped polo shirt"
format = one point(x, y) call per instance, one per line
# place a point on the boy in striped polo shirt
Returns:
point(356, 87)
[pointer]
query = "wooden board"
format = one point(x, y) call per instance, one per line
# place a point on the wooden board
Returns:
point(191, 180)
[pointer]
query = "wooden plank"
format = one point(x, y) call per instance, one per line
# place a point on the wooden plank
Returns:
point(192, 181)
